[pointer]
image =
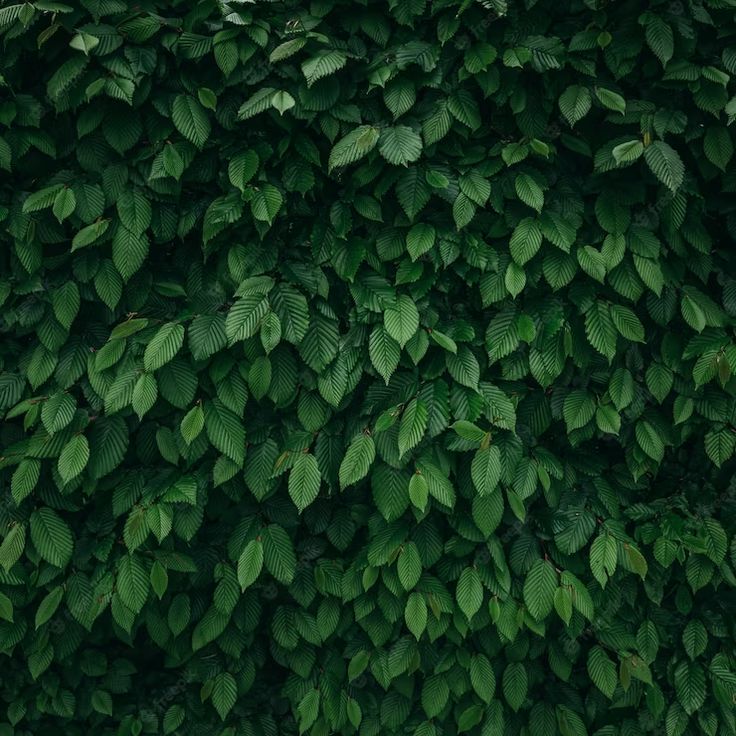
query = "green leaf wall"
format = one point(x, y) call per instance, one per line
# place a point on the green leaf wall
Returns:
point(366, 367)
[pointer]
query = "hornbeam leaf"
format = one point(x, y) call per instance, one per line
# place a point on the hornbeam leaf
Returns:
point(600, 329)
point(515, 684)
point(278, 553)
point(73, 458)
point(610, 99)
point(191, 120)
point(164, 345)
point(627, 152)
point(665, 163)
point(525, 241)
point(485, 469)
point(400, 145)
point(469, 592)
point(356, 144)
point(225, 430)
point(602, 671)
point(224, 693)
point(132, 582)
point(575, 103)
point(384, 351)
point(325, 63)
point(401, 319)
point(250, 563)
point(690, 686)
point(413, 425)
point(539, 589)
point(358, 459)
point(244, 318)
point(482, 677)
point(415, 614)
point(304, 481)
point(529, 191)
point(47, 607)
point(51, 537)
point(192, 424)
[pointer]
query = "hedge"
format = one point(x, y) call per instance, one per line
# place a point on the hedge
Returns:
point(367, 367)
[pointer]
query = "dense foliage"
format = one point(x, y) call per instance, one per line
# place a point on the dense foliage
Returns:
point(366, 367)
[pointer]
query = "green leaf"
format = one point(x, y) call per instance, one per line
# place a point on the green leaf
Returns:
point(85, 43)
point(482, 677)
point(665, 163)
point(649, 439)
point(603, 558)
point(265, 203)
point(515, 279)
point(73, 458)
point(660, 38)
point(102, 702)
point(58, 411)
point(51, 537)
point(278, 554)
point(64, 204)
point(602, 671)
point(718, 146)
point(694, 639)
point(145, 393)
point(304, 481)
point(539, 589)
point(358, 459)
point(225, 430)
point(384, 351)
point(242, 168)
point(525, 241)
point(24, 479)
point(600, 329)
point(720, 445)
point(48, 606)
point(224, 693)
point(690, 686)
point(627, 323)
point(413, 425)
point(578, 409)
point(250, 563)
point(415, 614)
point(401, 319)
point(352, 147)
point(485, 470)
point(192, 424)
point(357, 664)
point(463, 211)
point(419, 240)
point(611, 100)
point(282, 101)
point(134, 211)
point(12, 546)
point(244, 318)
point(563, 604)
point(418, 491)
point(515, 684)
point(626, 153)
point(575, 103)
point(409, 566)
point(529, 192)
point(469, 592)
point(90, 234)
point(164, 345)
point(647, 641)
point(325, 63)
point(190, 119)
point(400, 145)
